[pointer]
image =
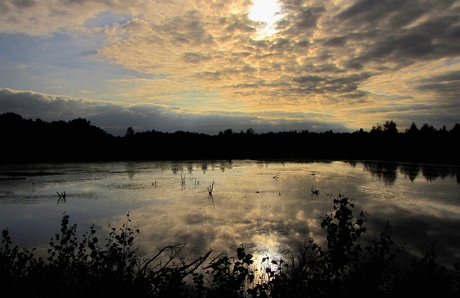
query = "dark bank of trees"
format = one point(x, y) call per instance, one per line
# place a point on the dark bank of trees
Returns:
point(27, 140)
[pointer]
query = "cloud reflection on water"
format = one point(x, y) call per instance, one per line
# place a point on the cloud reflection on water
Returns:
point(266, 206)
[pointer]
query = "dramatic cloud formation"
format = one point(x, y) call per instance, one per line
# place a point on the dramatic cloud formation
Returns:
point(207, 66)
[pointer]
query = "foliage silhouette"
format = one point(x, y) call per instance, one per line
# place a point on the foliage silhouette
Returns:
point(78, 140)
point(347, 267)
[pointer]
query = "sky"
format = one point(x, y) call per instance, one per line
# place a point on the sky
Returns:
point(208, 65)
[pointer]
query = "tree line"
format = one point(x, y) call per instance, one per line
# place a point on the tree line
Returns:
point(29, 141)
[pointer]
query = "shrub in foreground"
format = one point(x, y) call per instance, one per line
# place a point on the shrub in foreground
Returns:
point(347, 267)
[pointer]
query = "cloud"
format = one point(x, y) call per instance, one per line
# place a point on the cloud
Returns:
point(38, 18)
point(116, 118)
point(204, 58)
point(399, 33)
point(446, 85)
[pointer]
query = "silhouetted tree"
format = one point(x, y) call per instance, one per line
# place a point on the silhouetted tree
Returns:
point(456, 129)
point(377, 128)
point(249, 131)
point(390, 127)
point(412, 129)
point(427, 129)
point(129, 132)
point(79, 141)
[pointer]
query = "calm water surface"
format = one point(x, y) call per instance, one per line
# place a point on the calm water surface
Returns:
point(266, 206)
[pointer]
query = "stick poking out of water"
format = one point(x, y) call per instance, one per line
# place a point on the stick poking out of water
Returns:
point(211, 188)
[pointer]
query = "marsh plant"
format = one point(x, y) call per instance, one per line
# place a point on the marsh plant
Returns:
point(347, 267)
point(210, 188)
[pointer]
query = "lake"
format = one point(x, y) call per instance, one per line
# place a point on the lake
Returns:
point(268, 206)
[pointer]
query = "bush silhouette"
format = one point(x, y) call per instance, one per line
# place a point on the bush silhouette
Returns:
point(347, 267)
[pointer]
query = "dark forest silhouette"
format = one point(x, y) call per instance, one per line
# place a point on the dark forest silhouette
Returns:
point(29, 141)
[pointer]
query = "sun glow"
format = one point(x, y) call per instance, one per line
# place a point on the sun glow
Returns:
point(266, 12)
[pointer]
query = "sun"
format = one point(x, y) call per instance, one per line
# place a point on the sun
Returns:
point(266, 12)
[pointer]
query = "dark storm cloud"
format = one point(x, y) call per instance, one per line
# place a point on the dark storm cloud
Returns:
point(235, 24)
point(335, 41)
point(113, 118)
point(30, 104)
point(401, 32)
point(24, 3)
point(116, 118)
point(302, 20)
point(186, 29)
point(329, 84)
point(194, 57)
point(446, 86)
point(368, 13)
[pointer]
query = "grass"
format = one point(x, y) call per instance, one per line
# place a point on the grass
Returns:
point(347, 267)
